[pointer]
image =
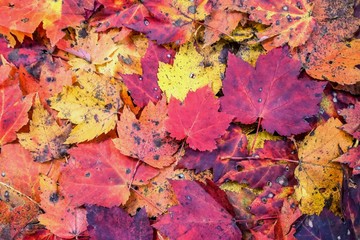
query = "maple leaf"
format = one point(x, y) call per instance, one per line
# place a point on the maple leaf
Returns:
point(266, 167)
point(60, 217)
point(104, 224)
point(144, 88)
point(352, 158)
point(53, 76)
point(198, 216)
point(283, 228)
point(45, 139)
point(189, 120)
point(270, 92)
point(166, 21)
point(188, 73)
point(324, 226)
point(316, 153)
point(92, 105)
point(291, 21)
point(222, 20)
point(101, 176)
point(232, 144)
point(13, 113)
point(157, 196)
point(337, 63)
point(19, 194)
point(146, 138)
point(352, 118)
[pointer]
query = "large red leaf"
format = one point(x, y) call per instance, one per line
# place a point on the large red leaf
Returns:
point(145, 88)
point(232, 144)
point(271, 92)
point(197, 119)
point(114, 223)
point(198, 216)
point(13, 112)
point(97, 173)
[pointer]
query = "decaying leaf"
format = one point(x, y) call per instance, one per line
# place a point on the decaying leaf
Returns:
point(319, 178)
point(146, 139)
point(46, 138)
point(92, 105)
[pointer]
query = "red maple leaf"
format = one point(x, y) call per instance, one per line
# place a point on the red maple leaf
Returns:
point(232, 144)
point(145, 88)
point(104, 224)
point(198, 216)
point(97, 173)
point(197, 119)
point(271, 92)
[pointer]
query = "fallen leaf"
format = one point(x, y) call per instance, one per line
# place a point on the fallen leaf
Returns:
point(92, 105)
point(146, 139)
point(188, 73)
point(104, 224)
point(196, 217)
point(97, 173)
point(60, 217)
point(189, 120)
point(352, 157)
point(352, 118)
point(320, 179)
point(46, 138)
point(13, 113)
point(270, 92)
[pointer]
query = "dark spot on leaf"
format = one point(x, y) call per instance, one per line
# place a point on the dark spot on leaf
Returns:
point(83, 33)
point(128, 171)
point(54, 198)
point(137, 140)
point(157, 142)
point(87, 174)
point(51, 79)
point(156, 157)
point(136, 126)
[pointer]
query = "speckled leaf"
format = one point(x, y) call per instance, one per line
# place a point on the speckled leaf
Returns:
point(97, 173)
point(114, 223)
point(197, 119)
point(146, 139)
point(290, 20)
point(319, 178)
point(92, 105)
point(198, 216)
point(46, 138)
point(271, 92)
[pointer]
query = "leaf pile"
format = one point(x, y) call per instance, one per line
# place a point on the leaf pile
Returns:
point(179, 119)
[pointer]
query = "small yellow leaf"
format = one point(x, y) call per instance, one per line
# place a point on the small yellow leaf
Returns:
point(92, 105)
point(46, 138)
point(260, 139)
point(319, 178)
point(188, 73)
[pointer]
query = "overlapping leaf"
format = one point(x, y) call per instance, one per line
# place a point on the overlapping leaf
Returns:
point(189, 120)
point(97, 173)
point(92, 105)
point(196, 217)
point(146, 139)
point(271, 92)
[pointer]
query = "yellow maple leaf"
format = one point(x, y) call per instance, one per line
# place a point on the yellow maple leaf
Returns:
point(319, 178)
point(188, 73)
point(46, 138)
point(92, 105)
